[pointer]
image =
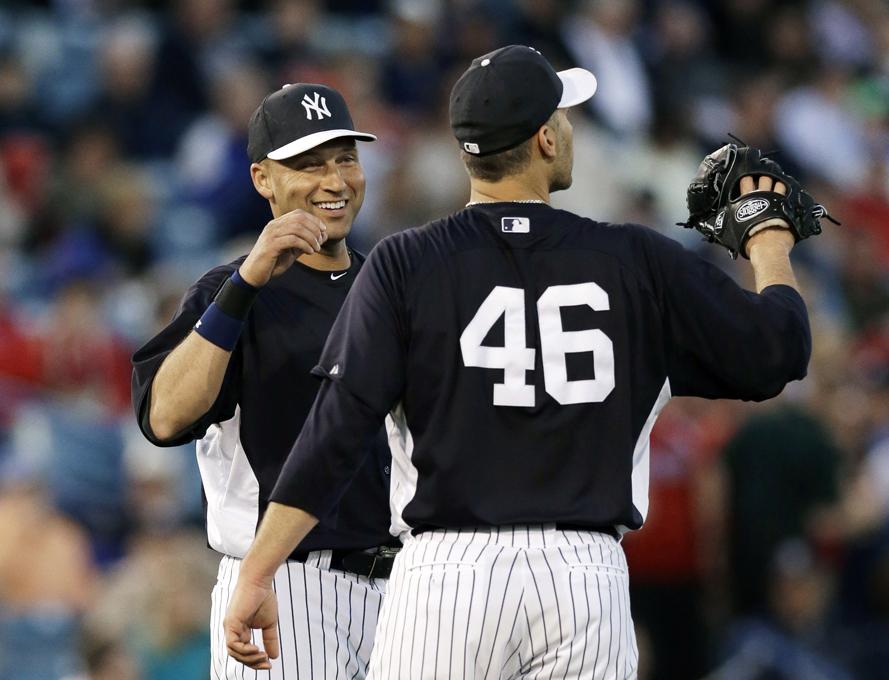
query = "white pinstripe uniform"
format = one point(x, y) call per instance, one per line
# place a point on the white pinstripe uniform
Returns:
point(509, 602)
point(310, 598)
point(328, 616)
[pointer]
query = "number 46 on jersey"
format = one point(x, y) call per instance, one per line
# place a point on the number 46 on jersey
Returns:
point(515, 358)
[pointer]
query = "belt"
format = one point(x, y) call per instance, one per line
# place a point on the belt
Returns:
point(609, 529)
point(372, 563)
point(559, 526)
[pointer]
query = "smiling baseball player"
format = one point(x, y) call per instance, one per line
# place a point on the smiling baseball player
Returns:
point(232, 371)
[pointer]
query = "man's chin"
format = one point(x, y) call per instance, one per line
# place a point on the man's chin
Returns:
point(336, 222)
point(338, 228)
point(560, 184)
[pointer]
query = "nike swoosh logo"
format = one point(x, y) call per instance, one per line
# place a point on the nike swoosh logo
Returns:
point(334, 277)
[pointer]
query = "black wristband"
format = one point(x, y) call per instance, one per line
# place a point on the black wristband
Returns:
point(236, 297)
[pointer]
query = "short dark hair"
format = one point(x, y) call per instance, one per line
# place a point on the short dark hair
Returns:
point(495, 167)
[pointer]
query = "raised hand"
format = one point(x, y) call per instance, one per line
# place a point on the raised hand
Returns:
point(283, 240)
point(748, 184)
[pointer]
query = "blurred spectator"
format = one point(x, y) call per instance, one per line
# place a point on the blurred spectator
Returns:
point(25, 161)
point(681, 61)
point(47, 580)
point(145, 123)
point(411, 72)
point(601, 39)
point(863, 281)
point(287, 37)
point(754, 102)
point(788, 36)
point(163, 581)
point(661, 165)
point(671, 557)
point(790, 642)
point(82, 359)
point(212, 158)
point(781, 468)
point(125, 218)
point(866, 209)
point(106, 659)
point(20, 352)
point(61, 53)
point(741, 26)
point(819, 132)
point(199, 40)
point(163, 485)
point(76, 453)
point(17, 111)
point(841, 31)
point(476, 31)
point(539, 24)
point(90, 157)
point(428, 170)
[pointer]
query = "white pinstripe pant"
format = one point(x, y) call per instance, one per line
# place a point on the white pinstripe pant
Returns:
point(326, 622)
point(512, 602)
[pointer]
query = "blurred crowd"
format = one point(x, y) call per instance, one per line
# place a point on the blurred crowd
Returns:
point(123, 176)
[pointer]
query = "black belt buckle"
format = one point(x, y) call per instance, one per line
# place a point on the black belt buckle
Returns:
point(374, 563)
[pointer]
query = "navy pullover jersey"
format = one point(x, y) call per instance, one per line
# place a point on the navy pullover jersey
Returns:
point(524, 354)
point(243, 440)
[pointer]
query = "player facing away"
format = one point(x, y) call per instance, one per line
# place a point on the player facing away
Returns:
point(232, 371)
point(522, 355)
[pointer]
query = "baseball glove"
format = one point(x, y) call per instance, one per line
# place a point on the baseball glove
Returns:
point(717, 209)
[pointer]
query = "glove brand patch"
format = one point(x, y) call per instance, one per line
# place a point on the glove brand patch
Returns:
point(750, 209)
point(729, 221)
point(515, 225)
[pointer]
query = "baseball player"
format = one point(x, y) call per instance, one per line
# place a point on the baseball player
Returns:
point(522, 354)
point(232, 371)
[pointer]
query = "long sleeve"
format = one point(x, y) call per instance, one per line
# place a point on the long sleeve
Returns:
point(724, 341)
point(362, 367)
point(148, 359)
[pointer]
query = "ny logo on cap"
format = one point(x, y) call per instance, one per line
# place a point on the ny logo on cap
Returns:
point(471, 147)
point(318, 104)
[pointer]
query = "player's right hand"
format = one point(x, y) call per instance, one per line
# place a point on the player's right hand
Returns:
point(252, 606)
point(282, 240)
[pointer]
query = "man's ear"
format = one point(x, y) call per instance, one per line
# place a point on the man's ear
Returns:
point(261, 180)
point(546, 141)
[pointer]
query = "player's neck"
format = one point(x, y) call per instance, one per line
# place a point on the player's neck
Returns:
point(513, 188)
point(334, 256)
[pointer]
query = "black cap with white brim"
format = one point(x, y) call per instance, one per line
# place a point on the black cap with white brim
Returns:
point(505, 96)
point(296, 118)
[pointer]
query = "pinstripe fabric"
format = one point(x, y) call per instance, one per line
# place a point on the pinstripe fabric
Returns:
point(509, 602)
point(326, 622)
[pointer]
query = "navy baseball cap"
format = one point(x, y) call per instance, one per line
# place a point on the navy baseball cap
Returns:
point(505, 96)
point(297, 118)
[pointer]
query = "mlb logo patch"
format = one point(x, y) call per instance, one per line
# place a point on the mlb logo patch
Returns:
point(515, 225)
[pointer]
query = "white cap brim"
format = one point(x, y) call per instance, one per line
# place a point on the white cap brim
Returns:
point(298, 146)
point(578, 86)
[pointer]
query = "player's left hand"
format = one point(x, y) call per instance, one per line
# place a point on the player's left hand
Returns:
point(739, 192)
point(779, 228)
point(252, 606)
